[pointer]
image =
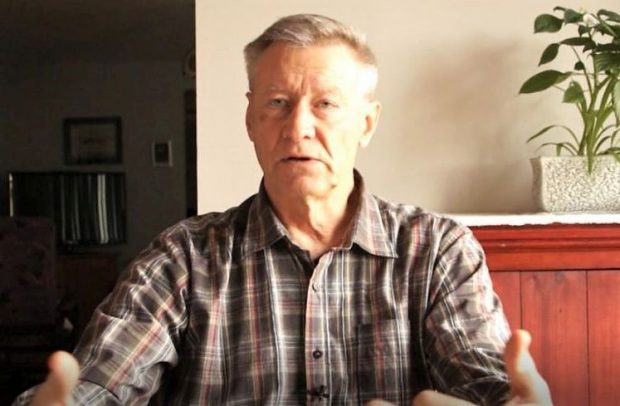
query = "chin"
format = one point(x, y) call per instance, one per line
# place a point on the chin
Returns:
point(308, 187)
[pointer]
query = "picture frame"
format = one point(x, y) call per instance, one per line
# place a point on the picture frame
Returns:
point(93, 140)
point(161, 153)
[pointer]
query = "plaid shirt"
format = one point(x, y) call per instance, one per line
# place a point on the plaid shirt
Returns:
point(224, 309)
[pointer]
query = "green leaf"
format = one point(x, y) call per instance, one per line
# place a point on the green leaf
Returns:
point(616, 100)
point(549, 54)
point(559, 146)
point(571, 16)
point(616, 30)
point(541, 132)
point(611, 16)
point(607, 128)
point(544, 130)
point(589, 47)
point(543, 80)
point(610, 139)
point(604, 113)
point(606, 61)
point(600, 142)
point(608, 29)
point(613, 138)
point(579, 66)
point(608, 48)
point(579, 41)
point(590, 160)
point(547, 23)
point(574, 93)
point(615, 152)
point(582, 29)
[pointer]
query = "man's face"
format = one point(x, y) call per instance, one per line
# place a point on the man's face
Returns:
point(308, 112)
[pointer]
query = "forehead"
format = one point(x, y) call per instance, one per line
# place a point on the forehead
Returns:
point(333, 63)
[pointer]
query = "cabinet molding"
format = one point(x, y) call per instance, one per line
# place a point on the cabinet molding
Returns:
point(550, 247)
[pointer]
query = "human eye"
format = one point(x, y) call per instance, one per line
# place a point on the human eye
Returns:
point(277, 102)
point(327, 104)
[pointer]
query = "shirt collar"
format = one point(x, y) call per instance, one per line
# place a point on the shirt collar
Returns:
point(263, 226)
point(368, 229)
point(368, 225)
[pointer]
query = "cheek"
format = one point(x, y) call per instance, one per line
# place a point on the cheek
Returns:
point(262, 117)
point(262, 125)
point(342, 149)
point(265, 137)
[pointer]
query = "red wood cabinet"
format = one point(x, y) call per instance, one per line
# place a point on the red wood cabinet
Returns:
point(561, 282)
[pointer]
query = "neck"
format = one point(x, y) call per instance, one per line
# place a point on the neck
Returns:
point(316, 223)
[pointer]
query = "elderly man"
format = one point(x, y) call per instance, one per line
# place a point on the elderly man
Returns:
point(312, 290)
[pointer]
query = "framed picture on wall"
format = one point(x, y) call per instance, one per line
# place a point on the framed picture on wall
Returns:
point(93, 140)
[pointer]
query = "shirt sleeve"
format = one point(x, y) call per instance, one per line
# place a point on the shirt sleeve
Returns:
point(465, 326)
point(85, 393)
point(133, 336)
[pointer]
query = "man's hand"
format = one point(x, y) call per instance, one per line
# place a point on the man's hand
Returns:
point(527, 387)
point(63, 376)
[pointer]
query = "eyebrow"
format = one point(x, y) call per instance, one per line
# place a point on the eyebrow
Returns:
point(276, 88)
point(327, 90)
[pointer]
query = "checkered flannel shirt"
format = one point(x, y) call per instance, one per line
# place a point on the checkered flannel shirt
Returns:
point(224, 309)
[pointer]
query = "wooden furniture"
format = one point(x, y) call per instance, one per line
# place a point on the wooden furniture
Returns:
point(39, 292)
point(561, 282)
point(86, 279)
point(30, 320)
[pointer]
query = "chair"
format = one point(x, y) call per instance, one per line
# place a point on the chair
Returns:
point(27, 281)
point(31, 325)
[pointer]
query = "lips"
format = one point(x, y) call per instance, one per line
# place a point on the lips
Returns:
point(298, 158)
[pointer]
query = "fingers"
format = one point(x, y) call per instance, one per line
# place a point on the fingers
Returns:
point(62, 378)
point(379, 402)
point(432, 398)
point(526, 384)
point(520, 365)
point(66, 367)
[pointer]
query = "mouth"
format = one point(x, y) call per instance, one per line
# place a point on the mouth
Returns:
point(298, 159)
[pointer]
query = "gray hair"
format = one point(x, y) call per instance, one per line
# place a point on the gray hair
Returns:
point(304, 30)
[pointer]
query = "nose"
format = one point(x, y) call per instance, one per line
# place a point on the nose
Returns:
point(299, 123)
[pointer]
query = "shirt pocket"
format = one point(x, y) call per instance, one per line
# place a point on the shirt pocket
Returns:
point(382, 362)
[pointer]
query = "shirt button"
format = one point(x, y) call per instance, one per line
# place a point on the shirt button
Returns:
point(317, 354)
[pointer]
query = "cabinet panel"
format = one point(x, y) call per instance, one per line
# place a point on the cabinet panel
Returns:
point(507, 285)
point(604, 331)
point(87, 279)
point(554, 311)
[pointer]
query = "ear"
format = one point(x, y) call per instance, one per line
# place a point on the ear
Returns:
point(373, 112)
point(248, 120)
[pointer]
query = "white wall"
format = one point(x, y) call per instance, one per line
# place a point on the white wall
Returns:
point(453, 130)
point(149, 99)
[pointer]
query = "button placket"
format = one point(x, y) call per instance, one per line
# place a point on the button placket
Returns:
point(316, 339)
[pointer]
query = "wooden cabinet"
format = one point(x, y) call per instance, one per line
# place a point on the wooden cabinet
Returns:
point(86, 279)
point(561, 282)
point(83, 281)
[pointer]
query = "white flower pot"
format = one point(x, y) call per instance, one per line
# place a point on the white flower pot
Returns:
point(562, 184)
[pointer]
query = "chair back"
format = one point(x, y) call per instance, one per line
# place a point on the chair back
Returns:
point(28, 296)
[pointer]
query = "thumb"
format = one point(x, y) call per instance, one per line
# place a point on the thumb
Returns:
point(526, 384)
point(62, 378)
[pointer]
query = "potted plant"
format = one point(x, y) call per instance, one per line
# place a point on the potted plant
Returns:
point(590, 178)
